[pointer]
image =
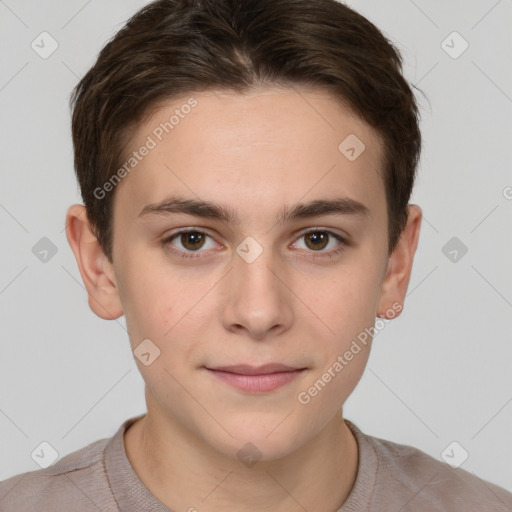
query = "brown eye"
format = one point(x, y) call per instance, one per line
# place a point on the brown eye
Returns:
point(321, 243)
point(316, 240)
point(189, 243)
point(192, 240)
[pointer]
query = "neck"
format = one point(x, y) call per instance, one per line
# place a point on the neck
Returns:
point(185, 473)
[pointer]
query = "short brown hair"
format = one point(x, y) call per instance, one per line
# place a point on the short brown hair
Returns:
point(176, 47)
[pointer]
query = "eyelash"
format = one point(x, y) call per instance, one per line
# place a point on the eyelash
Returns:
point(194, 254)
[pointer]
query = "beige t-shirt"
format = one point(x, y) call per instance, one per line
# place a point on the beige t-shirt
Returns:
point(391, 477)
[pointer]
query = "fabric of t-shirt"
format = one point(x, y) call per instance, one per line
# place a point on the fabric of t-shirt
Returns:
point(390, 477)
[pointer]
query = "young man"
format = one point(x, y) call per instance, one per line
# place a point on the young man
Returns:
point(246, 168)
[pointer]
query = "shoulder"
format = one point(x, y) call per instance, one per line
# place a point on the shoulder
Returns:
point(76, 482)
point(425, 483)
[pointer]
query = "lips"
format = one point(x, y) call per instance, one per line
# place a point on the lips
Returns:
point(256, 379)
point(243, 369)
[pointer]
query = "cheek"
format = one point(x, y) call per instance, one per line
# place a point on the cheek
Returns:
point(328, 389)
point(348, 308)
point(148, 311)
point(145, 286)
point(349, 299)
point(161, 304)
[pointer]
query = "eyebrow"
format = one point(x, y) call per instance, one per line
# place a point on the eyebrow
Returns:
point(226, 214)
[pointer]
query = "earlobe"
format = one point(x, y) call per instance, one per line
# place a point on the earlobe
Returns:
point(395, 284)
point(102, 290)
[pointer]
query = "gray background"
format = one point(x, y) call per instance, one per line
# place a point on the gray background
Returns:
point(439, 373)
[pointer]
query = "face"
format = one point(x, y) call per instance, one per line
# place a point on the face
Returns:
point(261, 287)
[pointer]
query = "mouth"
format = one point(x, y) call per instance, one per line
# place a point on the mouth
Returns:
point(256, 379)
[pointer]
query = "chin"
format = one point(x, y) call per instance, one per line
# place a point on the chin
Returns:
point(258, 441)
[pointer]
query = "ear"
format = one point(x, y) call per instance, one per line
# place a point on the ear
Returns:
point(396, 280)
point(96, 270)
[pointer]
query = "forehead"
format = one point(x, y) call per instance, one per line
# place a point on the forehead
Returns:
point(266, 147)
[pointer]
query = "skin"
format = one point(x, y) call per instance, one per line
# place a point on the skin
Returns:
point(254, 152)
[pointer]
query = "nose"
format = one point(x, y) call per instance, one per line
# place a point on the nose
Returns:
point(258, 300)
